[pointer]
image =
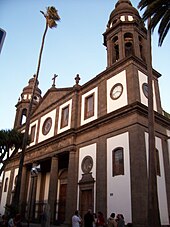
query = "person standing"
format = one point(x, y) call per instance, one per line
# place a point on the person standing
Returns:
point(76, 219)
point(100, 219)
point(88, 219)
point(111, 222)
point(120, 220)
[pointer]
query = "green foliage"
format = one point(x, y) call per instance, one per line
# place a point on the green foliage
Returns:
point(159, 12)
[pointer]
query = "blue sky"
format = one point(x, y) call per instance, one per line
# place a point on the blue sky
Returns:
point(75, 46)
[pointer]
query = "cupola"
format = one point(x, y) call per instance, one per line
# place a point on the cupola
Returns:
point(125, 33)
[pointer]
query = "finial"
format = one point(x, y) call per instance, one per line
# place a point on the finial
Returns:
point(55, 76)
point(77, 79)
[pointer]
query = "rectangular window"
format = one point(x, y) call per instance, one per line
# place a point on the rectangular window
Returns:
point(118, 162)
point(89, 106)
point(64, 116)
point(32, 135)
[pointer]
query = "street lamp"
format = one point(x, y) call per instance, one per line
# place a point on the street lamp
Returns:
point(34, 173)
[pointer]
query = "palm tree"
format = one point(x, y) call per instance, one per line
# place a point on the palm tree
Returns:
point(10, 142)
point(51, 17)
point(153, 215)
point(159, 12)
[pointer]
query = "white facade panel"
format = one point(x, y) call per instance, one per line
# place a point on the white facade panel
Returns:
point(42, 137)
point(144, 100)
point(69, 103)
point(4, 194)
point(122, 100)
point(36, 126)
point(84, 96)
point(89, 150)
point(161, 186)
point(119, 187)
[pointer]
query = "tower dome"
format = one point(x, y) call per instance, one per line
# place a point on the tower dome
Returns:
point(23, 103)
point(124, 11)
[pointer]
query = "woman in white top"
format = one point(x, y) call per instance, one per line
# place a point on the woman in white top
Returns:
point(76, 219)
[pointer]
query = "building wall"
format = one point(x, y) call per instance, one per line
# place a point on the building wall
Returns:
point(119, 187)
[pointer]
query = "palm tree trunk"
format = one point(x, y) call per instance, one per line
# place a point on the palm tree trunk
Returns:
point(15, 201)
point(153, 206)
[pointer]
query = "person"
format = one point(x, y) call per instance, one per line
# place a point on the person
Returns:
point(100, 219)
point(4, 221)
point(11, 221)
point(76, 219)
point(88, 219)
point(17, 221)
point(120, 220)
point(95, 219)
point(111, 222)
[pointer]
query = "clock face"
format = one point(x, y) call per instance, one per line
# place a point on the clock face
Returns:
point(145, 89)
point(47, 126)
point(116, 91)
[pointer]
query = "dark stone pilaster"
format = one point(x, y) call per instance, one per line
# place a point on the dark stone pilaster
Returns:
point(71, 199)
point(53, 185)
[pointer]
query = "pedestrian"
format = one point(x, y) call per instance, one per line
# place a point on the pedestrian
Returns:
point(17, 221)
point(88, 219)
point(111, 222)
point(120, 220)
point(76, 219)
point(100, 219)
point(4, 221)
point(11, 221)
point(95, 219)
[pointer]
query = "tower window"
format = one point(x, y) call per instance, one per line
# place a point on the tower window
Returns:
point(128, 40)
point(118, 161)
point(141, 48)
point(23, 116)
point(115, 49)
point(89, 106)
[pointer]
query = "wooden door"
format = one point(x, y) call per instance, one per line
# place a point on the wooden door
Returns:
point(62, 203)
point(86, 202)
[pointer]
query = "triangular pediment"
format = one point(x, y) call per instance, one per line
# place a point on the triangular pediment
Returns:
point(50, 98)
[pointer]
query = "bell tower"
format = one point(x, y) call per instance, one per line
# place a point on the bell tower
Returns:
point(23, 103)
point(125, 39)
point(125, 34)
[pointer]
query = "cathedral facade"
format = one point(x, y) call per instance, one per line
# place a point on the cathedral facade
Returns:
point(90, 141)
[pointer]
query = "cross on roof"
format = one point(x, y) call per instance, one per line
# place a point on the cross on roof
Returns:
point(55, 76)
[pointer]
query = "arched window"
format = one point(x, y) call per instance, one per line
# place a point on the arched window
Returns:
point(158, 171)
point(6, 185)
point(115, 49)
point(141, 48)
point(23, 116)
point(118, 161)
point(128, 40)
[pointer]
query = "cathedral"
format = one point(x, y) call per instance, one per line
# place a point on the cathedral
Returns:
point(89, 143)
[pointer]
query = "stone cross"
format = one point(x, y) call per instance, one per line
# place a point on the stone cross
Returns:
point(55, 76)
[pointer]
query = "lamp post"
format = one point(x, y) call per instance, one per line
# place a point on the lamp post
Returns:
point(34, 174)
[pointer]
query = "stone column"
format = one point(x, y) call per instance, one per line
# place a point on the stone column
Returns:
point(32, 195)
point(53, 185)
point(71, 199)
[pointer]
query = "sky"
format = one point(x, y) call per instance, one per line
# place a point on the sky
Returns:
point(74, 47)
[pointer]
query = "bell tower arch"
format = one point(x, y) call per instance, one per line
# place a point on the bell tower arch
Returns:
point(23, 103)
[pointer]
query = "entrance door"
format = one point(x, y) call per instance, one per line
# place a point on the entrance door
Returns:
point(62, 203)
point(86, 201)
